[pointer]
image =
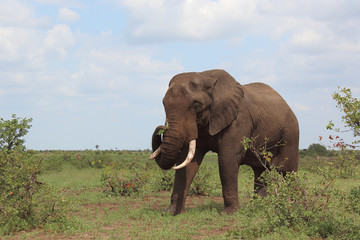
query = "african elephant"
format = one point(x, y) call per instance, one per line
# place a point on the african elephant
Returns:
point(211, 111)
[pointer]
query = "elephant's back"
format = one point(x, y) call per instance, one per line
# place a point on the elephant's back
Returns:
point(259, 88)
point(265, 103)
point(262, 95)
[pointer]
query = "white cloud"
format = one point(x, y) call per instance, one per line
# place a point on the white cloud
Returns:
point(21, 48)
point(123, 69)
point(14, 13)
point(68, 3)
point(307, 38)
point(211, 19)
point(301, 107)
point(310, 26)
point(20, 37)
point(67, 15)
point(194, 20)
point(59, 39)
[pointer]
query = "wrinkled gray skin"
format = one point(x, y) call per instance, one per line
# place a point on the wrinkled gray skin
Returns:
point(218, 112)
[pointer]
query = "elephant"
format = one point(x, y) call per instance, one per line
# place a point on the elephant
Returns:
point(210, 111)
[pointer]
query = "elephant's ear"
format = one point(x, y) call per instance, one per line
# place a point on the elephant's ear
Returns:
point(227, 94)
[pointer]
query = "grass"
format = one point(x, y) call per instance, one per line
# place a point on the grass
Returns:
point(70, 177)
point(94, 215)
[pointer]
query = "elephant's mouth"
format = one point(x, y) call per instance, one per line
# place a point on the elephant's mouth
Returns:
point(188, 159)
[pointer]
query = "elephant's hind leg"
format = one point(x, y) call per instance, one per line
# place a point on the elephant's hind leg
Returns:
point(259, 183)
point(287, 158)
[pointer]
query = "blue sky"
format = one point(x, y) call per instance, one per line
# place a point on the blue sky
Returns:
point(95, 72)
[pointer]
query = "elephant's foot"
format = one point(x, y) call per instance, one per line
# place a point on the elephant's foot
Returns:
point(230, 210)
point(231, 203)
point(173, 211)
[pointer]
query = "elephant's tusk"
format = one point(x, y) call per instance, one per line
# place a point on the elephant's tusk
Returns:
point(190, 156)
point(156, 153)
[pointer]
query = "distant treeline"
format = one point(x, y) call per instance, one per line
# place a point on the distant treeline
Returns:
point(317, 149)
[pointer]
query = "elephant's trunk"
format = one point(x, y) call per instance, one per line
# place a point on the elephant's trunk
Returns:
point(156, 141)
point(168, 151)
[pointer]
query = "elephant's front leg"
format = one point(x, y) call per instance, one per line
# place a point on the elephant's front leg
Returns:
point(229, 170)
point(183, 179)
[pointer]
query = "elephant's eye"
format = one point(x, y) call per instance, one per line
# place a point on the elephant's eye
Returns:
point(197, 105)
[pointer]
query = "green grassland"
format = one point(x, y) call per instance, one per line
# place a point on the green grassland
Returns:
point(123, 195)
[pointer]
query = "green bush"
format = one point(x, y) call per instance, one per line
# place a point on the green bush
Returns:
point(77, 159)
point(316, 149)
point(12, 132)
point(346, 163)
point(201, 185)
point(342, 165)
point(354, 200)
point(126, 181)
point(129, 178)
point(51, 163)
point(26, 202)
point(164, 180)
point(291, 207)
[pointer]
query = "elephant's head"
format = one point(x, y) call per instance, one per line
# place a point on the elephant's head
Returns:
point(206, 101)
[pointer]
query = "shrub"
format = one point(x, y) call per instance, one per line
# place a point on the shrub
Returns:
point(291, 206)
point(201, 185)
point(26, 202)
point(95, 159)
point(346, 163)
point(343, 165)
point(354, 200)
point(316, 149)
point(51, 163)
point(76, 160)
point(134, 177)
point(164, 180)
point(126, 181)
point(12, 132)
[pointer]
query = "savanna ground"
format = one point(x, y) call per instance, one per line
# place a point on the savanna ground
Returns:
point(123, 195)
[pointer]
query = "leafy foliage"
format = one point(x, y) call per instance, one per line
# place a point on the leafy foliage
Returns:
point(292, 206)
point(354, 200)
point(350, 106)
point(261, 152)
point(130, 178)
point(164, 180)
point(317, 149)
point(163, 130)
point(126, 181)
point(77, 159)
point(201, 184)
point(12, 132)
point(25, 201)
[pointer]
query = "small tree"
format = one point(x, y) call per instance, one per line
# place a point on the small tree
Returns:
point(346, 162)
point(317, 149)
point(350, 106)
point(25, 201)
point(12, 132)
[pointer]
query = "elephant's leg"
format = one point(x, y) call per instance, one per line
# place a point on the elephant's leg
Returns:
point(287, 159)
point(229, 170)
point(183, 179)
point(259, 183)
point(288, 156)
